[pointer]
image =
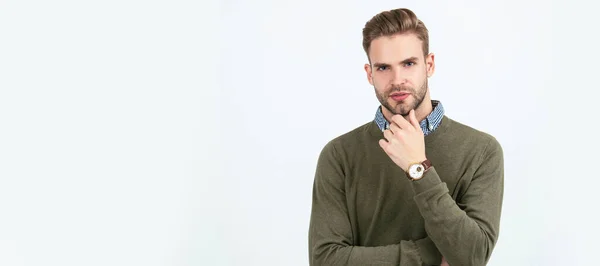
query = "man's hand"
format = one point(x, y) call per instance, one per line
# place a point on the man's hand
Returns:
point(404, 141)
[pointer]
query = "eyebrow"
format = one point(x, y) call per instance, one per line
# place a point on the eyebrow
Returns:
point(410, 59)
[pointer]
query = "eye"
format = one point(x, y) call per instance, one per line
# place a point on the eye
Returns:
point(409, 64)
point(382, 68)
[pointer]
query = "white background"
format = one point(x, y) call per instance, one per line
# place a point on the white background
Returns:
point(178, 133)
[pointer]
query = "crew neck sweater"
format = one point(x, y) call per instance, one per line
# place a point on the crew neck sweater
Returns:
point(365, 211)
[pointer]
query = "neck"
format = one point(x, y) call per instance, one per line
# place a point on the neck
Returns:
point(421, 112)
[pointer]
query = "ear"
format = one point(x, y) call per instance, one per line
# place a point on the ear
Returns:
point(369, 73)
point(430, 62)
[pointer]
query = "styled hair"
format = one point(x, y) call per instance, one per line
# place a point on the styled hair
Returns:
point(392, 22)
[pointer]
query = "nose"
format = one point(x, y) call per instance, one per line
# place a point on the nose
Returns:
point(399, 77)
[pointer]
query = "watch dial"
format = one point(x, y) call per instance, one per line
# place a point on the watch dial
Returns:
point(416, 171)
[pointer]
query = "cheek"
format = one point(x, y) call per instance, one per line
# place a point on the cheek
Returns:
point(381, 81)
point(417, 77)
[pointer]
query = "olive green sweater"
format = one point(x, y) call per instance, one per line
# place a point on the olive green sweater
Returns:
point(365, 211)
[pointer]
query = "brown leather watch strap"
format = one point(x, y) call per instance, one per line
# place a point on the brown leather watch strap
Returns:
point(426, 164)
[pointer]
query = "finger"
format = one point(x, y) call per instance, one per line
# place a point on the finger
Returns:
point(388, 135)
point(401, 122)
point(383, 144)
point(444, 262)
point(413, 119)
point(395, 128)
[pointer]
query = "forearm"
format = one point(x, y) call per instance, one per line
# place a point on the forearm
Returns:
point(462, 239)
point(336, 254)
point(419, 252)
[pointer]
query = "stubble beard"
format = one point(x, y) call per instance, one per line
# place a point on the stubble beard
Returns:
point(402, 107)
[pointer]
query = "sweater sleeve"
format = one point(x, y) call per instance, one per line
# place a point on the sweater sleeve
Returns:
point(330, 232)
point(466, 230)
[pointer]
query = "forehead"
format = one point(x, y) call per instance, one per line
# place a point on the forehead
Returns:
point(396, 47)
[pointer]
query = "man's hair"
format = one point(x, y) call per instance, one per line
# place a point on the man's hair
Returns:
point(392, 22)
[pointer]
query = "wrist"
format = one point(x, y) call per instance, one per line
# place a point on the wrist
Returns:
point(411, 162)
point(430, 180)
point(416, 170)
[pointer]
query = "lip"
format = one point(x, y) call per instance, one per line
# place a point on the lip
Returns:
point(399, 96)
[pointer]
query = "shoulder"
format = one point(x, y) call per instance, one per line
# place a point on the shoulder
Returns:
point(338, 151)
point(471, 136)
point(349, 139)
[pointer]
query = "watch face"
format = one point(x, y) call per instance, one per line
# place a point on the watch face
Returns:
point(416, 171)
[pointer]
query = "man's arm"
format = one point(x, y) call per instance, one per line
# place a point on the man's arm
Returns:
point(466, 230)
point(330, 233)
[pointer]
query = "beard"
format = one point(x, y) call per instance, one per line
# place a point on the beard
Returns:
point(402, 107)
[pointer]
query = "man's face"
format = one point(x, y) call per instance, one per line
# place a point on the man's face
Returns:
point(399, 72)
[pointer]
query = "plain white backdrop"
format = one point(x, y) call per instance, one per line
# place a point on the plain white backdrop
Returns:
point(180, 133)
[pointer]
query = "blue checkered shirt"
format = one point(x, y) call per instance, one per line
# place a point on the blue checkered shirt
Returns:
point(428, 125)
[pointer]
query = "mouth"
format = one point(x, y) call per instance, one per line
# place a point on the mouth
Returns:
point(399, 96)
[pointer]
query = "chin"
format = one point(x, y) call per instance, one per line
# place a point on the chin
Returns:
point(401, 107)
point(399, 110)
point(402, 113)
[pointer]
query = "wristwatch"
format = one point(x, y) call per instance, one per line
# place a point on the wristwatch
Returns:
point(416, 170)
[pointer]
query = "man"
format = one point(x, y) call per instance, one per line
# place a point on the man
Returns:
point(411, 187)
